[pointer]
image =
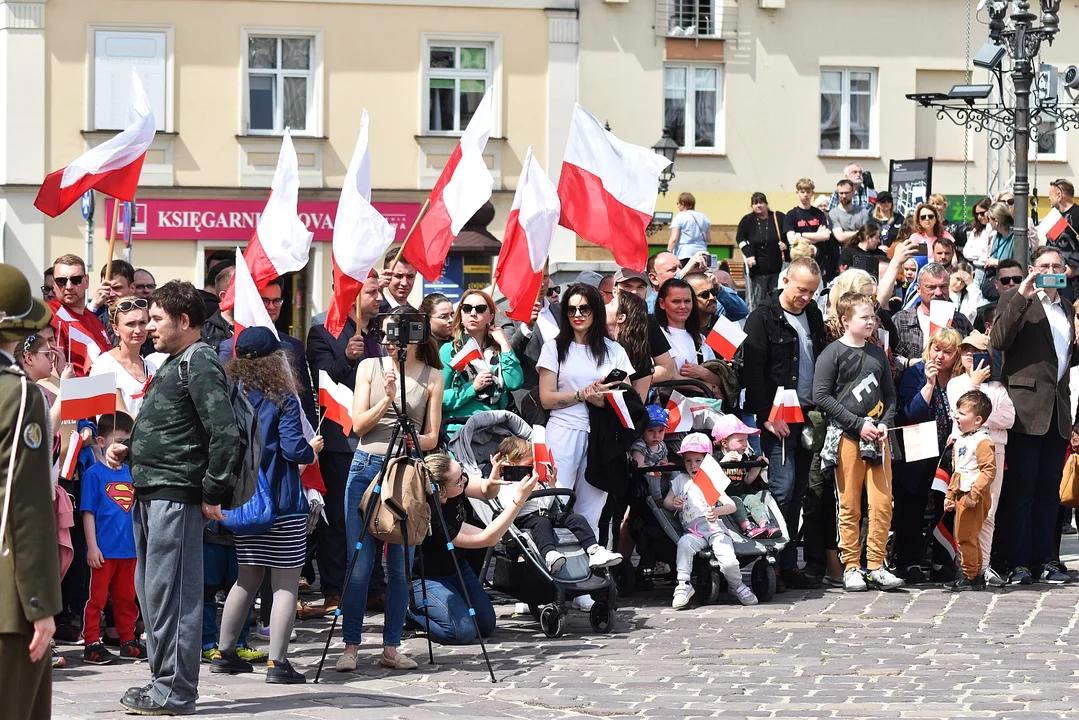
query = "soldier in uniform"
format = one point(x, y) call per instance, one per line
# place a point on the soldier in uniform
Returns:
point(29, 556)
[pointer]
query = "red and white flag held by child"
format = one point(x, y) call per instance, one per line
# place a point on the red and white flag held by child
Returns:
point(281, 242)
point(941, 314)
point(361, 235)
point(87, 397)
point(460, 191)
point(248, 311)
point(679, 414)
point(113, 167)
point(711, 480)
point(526, 243)
point(1052, 227)
point(469, 353)
point(725, 338)
point(71, 460)
point(541, 455)
point(608, 189)
point(617, 399)
point(336, 399)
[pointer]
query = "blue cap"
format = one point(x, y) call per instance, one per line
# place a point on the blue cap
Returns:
point(657, 417)
point(256, 342)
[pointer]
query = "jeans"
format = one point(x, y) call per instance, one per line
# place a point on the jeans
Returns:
point(787, 482)
point(365, 468)
point(219, 570)
point(448, 610)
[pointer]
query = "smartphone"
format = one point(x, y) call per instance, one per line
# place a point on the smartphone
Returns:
point(713, 261)
point(981, 360)
point(1051, 280)
point(616, 375)
point(516, 473)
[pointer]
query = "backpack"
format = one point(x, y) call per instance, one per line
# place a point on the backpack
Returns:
point(245, 473)
point(406, 482)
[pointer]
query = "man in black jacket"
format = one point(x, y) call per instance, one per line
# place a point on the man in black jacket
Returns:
point(763, 247)
point(785, 334)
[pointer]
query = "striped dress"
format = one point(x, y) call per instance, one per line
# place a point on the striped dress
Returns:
point(282, 546)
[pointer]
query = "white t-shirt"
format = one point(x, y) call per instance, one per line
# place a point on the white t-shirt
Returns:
point(683, 349)
point(692, 226)
point(130, 389)
point(579, 371)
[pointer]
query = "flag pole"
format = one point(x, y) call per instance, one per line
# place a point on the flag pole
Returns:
point(400, 250)
point(321, 417)
point(783, 451)
point(112, 238)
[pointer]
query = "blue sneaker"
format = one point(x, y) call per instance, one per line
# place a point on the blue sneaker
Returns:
point(1021, 576)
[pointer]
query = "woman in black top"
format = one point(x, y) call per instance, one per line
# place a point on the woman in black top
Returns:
point(890, 221)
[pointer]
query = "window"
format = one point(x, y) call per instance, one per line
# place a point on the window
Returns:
point(458, 74)
point(692, 104)
point(280, 84)
point(1048, 142)
point(847, 107)
point(693, 18)
point(115, 53)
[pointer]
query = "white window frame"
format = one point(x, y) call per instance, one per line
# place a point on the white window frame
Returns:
point(691, 117)
point(717, 12)
point(494, 43)
point(92, 29)
point(844, 126)
point(315, 115)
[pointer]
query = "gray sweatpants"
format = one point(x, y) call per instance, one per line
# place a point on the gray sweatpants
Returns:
point(722, 547)
point(168, 580)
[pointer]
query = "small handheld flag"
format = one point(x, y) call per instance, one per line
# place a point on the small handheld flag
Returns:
point(541, 455)
point(679, 414)
point(87, 397)
point(617, 400)
point(726, 337)
point(71, 460)
point(468, 354)
point(711, 480)
point(336, 399)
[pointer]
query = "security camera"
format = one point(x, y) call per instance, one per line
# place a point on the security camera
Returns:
point(1071, 78)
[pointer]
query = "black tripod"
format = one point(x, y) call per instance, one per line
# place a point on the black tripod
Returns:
point(403, 430)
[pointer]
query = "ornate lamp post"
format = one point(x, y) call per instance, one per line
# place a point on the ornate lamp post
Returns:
point(668, 148)
point(969, 105)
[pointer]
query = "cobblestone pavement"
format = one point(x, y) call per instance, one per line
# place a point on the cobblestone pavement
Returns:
point(916, 653)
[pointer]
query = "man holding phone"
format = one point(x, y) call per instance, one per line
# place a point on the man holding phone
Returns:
point(1035, 331)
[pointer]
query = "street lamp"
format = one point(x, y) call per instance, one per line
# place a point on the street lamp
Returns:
point(668, 148)
point(969, 106)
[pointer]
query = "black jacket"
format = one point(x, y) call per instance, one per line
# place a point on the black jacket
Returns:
point(770, 353)
point(769, 258)
point(609, 441)
point(216, 330)
point(325, 352)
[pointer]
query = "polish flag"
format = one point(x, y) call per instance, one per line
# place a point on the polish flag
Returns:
point(461, 190)
point(113, 167)
point(361, 236)
point(82, 350)
point(711, 480)
point(87, 397)
point(71, 460)
point(468, 354)
point(248, 310)
point(336, 399)
point(785, 406)
point(871, 194)
point(311, 478)
point(541, 456)
point(679, 414)
point(941, 314)
point(726, 337)
point(1052, 226)
point(608, 189)
point(526, 243)
point(281, 242)
point(617, 399)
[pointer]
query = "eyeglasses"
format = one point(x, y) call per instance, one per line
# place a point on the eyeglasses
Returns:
point(1010, 280)
point(273, 302)
point(467, 309)
point(706, 294)
point(63, 281)
point(129, 305)
point(582, 310)
point(141, 287)
point(1054, 267)
point(444, 317)
point(927, 217)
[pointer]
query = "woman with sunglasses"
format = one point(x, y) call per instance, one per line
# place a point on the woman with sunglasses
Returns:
point(928, 226)
point(485, 385)
point(375, 407)
point(128, 317)
point(884, 214)
point(676, 313)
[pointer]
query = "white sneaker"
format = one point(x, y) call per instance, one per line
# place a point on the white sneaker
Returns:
point(682, 595)
point(521, 609)
point(745, 595)
point(854, 580)
point(583, 603)
point(881, 579)
point(555, 561)
point(601, 557)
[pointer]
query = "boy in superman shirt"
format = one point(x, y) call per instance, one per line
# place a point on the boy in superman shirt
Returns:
point(107, 498)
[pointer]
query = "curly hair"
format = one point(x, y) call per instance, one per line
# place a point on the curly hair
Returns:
point(271, 375)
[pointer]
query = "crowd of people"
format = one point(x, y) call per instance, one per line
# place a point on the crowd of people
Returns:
point(837, 310)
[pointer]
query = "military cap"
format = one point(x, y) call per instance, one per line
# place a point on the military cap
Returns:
point(20, 312)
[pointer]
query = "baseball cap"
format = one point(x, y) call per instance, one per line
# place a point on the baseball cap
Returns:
point(728, 425)
point(657, 417)
point(589, 277)
point(623, 274)
point(256, 342)
point(976, 340)
point(696, 442)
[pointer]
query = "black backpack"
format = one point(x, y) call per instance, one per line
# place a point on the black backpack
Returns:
point(245, 473)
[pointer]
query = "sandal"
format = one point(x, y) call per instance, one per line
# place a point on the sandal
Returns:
point(58, 660)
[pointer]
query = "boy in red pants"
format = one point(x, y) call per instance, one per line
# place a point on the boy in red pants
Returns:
point(107, 499)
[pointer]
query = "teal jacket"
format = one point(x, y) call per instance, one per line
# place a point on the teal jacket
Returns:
point(459, 398)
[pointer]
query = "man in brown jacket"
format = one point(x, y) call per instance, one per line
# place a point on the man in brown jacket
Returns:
point(1035, 331)
point(29, 555)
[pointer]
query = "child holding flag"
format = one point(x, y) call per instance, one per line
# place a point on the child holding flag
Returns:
point(650, 450)
point(745, 489)
point(700, 501)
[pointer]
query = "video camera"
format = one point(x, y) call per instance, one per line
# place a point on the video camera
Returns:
point(401, 330)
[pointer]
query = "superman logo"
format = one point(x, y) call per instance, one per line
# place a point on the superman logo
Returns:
point(122, 493)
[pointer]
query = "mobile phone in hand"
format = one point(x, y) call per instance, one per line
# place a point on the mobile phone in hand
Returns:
point(516, 473)
point(981, 360)
point(616, 375)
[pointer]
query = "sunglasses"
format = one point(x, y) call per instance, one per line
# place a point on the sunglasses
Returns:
point(467, 309)
point(582, 310)
point(980, 213)
point(927, 217)
point(1010, 201)
point(1014, 280)
point(63, 281)
point(129, 305)
point(273, 302)
point(145, 286)
point(706, 294)
point(46, 291)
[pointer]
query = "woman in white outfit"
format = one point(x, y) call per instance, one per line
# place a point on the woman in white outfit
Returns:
point(572, 368)
point(128, 317)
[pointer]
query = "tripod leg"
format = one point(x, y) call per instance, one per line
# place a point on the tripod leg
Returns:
point(337, 612)
point(426, 608)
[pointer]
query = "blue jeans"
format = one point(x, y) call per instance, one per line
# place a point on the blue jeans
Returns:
point(365, 468)
point(787, 482)
point(450, 622)
point(219, 569)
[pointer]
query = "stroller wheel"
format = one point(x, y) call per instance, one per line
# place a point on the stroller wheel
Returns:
point(552, 621)
point(764, 580)
point(534, 611)
point(602, 617)
point(709, 585)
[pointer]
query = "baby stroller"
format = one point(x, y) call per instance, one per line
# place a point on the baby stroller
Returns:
point(520, 570)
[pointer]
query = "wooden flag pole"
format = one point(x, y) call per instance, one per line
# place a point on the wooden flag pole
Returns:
point(400, 250)
point(112, 238)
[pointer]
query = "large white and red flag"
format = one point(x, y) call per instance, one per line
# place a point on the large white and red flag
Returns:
point(248, 309)
point(679, 414)
point(87, 397)
point(461, 190)
point(336, 399)
point(725, 338)
point(281, 242)
point(608, 189)
point(113, 167)
point(541, 455)
point(470, 353)
point(711, 480)
point(526, 243)
point(361, 235)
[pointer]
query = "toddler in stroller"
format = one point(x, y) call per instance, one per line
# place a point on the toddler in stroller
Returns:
point(745, 488)
point(700, 526)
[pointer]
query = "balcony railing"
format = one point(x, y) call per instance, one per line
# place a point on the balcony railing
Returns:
point(696, 18)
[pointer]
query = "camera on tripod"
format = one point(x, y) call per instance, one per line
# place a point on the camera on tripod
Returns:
point(403, 329)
